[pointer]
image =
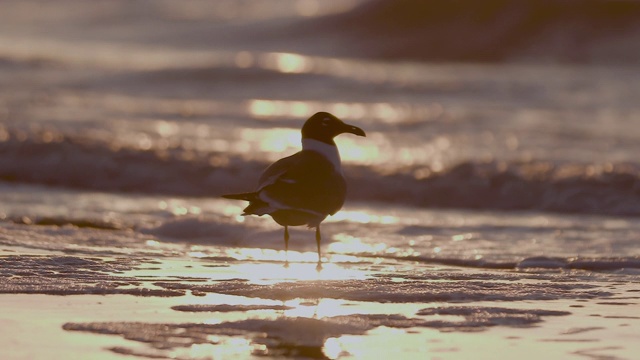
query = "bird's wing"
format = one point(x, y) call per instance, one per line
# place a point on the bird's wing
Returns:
point(304, 181)
point(276, 170)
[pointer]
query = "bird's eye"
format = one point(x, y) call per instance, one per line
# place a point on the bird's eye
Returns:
point(325, 121)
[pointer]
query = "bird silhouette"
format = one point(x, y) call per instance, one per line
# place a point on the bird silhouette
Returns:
point(306, 187)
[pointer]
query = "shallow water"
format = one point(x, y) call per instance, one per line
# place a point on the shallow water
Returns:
point(491, 208)
point(201, 282)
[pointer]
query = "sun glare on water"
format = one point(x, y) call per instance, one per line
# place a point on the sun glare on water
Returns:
point(275, 273)
point(363, 217)
point(267, 266)
point(279, 142)
point(273, 140)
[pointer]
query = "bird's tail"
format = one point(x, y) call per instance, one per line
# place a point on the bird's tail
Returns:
point(256, 205)
point(242, 196)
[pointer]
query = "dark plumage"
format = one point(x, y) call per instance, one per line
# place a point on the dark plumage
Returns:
point(306, 187)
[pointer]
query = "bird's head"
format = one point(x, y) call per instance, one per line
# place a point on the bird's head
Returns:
point(324, 127)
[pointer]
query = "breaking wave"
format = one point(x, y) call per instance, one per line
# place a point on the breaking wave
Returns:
point(496, 30)
point(610, 189)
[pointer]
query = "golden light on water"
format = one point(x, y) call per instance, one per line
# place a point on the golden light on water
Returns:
point(276, 271)
point(279, 142)
point(288, 63)
point(347, 244)
point(280, 108)
point(374, 111)
point(335, 348)
point(353, 151)
point(166, 129)
point(273, 140)
point(363, 217)
point(332, 348)
point(224, 347)
point(267, 266)
point(262, 108)
point(378, 148)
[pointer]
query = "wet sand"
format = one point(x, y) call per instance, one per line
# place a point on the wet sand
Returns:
point(200, 309)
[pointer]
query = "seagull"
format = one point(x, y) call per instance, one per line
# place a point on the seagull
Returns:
point(306, 187)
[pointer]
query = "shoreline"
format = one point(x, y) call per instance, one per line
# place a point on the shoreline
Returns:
point(244, 327)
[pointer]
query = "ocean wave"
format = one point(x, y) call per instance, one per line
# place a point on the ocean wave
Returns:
point(495, 30)
point(60, 160)
point(519, 185)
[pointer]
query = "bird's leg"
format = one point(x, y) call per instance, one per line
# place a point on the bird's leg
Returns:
point(286, 246)
point(318, 239)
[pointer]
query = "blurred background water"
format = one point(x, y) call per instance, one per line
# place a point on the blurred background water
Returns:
point(507, 105)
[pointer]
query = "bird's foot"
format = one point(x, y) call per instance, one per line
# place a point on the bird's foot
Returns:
point(319, 266)
point(286, 264)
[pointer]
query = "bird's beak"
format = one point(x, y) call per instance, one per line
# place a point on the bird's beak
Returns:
point(354, 130)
